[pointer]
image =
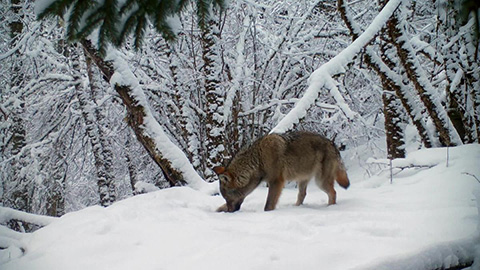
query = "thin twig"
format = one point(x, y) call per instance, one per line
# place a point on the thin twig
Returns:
point(4, 113)
point(472, 175)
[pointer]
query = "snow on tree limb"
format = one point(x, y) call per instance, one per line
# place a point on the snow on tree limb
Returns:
point(7, 214)
point(390, 79)
point(322, 77)
point(124, 77)
point(239, 72)
point(397, 29)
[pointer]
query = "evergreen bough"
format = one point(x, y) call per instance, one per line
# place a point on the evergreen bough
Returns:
point(117, 20)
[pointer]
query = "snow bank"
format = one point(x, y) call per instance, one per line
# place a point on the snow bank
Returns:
point(439, 256)
point(425, 218)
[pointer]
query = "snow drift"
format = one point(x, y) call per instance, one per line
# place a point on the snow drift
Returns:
point(427, 218)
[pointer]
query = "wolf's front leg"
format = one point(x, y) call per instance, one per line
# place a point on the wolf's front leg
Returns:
point(274, 191)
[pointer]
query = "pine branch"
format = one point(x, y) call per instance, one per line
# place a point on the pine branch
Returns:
point(78, 10)
point(116, 22)
point(56, 8)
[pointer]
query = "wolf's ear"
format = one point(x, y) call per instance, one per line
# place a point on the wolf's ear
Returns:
point(219, 170)
point(223, 174)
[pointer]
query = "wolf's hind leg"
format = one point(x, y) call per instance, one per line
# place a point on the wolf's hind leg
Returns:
point(274, 191)
point(332, 194)
point(302, 192)
point(327, 186)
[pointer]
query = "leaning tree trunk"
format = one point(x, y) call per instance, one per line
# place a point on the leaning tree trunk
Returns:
point(462, 73)
point(390, 75)
point(101, 154)
point(390, 78)
point(105, 145)
point(135, 117)
point(446, 132)
point(455, 78)
point(392, 112)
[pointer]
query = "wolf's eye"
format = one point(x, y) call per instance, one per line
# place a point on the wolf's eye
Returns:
point(223, 178)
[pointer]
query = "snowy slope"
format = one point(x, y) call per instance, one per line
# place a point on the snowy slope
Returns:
point(427, 217)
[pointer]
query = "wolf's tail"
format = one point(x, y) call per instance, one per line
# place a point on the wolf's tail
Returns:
point(342, 178)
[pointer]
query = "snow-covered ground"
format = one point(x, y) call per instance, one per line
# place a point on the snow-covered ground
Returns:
point(427, 217)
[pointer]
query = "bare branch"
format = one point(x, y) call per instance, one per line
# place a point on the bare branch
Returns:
point(472, 175)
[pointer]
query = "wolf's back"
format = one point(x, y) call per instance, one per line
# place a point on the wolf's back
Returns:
point(332, 160)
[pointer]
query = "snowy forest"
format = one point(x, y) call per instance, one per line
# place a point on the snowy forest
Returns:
point(104, 100)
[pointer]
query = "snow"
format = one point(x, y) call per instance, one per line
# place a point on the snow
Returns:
point(124, 76)
point(174, 23)
point(239, 72)
point(322, 77)
point(7, 214)
point(144, 187)
point(41, 5)
point(422, 79)
point(427, 217)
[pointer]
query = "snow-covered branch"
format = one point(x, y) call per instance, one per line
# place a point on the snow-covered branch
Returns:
point(402, 163)
point(174, 163)
point(124, 77)
point(323, 76)
point(20, 43)
point(418, 76)
point(10, 238)
point(239, 72)
point(7, 214)
point(391, 80)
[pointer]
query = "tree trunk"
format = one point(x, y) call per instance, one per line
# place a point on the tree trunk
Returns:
point(132, 169)
point(446, 133)
point(214, 98)
point(455, 77)
point(101, 154)
point(135, 117)
point(475, 97)
point(20, 197)
point(393, 120)
point(55, 204)
point(391, 111)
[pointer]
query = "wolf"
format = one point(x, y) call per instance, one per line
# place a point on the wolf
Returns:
point(294, 156)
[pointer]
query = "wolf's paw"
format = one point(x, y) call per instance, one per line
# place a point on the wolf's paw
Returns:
point(223, 208)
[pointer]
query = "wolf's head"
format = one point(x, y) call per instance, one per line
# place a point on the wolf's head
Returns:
point(232, 190)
